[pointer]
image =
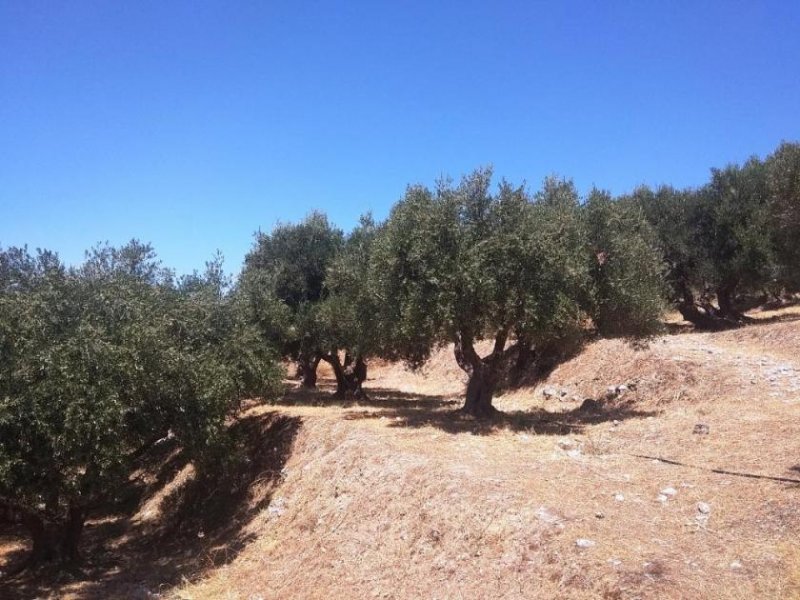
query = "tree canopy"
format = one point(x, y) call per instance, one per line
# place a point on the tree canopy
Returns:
point(461, 264)
point(101, 360)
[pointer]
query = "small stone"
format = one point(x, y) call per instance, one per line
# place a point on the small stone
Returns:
point(669, 491)
point(703, 507)
point(277, 507)
point(544, 515)
point(549, 392)
point(701, 429)
point(735, 565)
point(567, 444)
point(619, 497)
point(584, 543)
point(662, 498)
point(599, 515)
point(615, 423)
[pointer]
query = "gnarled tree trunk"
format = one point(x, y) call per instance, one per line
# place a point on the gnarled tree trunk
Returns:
point(350, 375)
point(309, 378)
point(356, 374)
point(707, 317)
point(338, 371)
point(727, 305)
point(307, 370)
point(72, 534)
point(51, 540)
point(480, 391)
point(483, 373)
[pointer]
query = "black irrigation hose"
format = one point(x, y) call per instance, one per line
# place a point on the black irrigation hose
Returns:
point(718, 471)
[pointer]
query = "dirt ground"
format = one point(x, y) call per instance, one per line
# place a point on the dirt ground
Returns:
point(680, 480)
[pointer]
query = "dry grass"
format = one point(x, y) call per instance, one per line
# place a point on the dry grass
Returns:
point(397, 497)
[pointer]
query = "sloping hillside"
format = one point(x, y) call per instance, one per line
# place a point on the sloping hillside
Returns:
point(680, 479)
point(397, 499)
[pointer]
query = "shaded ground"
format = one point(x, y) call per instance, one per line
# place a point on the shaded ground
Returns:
point(174, 525)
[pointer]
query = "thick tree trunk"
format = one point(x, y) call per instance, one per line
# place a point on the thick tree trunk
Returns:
point(72, 534)
point(706, 318)
point(727, 306)
point(341, 379)
point(43, 537)
point(350, 375)
point(356, 375)
point(483, 373)
point(480, 390)
point(309, 373)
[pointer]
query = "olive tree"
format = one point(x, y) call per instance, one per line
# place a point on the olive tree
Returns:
point(99, 361)
point(284, 282)
point(783, 180)
point(350, 309)
point(460, 264)
point(733, 229)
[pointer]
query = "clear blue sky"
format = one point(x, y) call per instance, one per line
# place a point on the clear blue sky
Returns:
point(193, 124)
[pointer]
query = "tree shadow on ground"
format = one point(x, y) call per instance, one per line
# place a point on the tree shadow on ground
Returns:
point(377, 397)
point(201, 523)
point(785, 318)
point(402, 409)
point(684, 328)
point(537, 421)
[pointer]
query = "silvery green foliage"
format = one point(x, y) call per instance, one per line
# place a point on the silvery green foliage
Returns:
point(462, 262)
point(283, 281)
point(98, 361)
point(783, 177)
point(349, 309)
point(733, 227)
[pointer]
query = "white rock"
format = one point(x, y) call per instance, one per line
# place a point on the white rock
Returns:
point(584, 543)
point(549, 392)
point(662, 498)
point(619, 497)
point(703, 507)
point(544, 515)
point(277, 507)
point(669, 491)
point(736, 565)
